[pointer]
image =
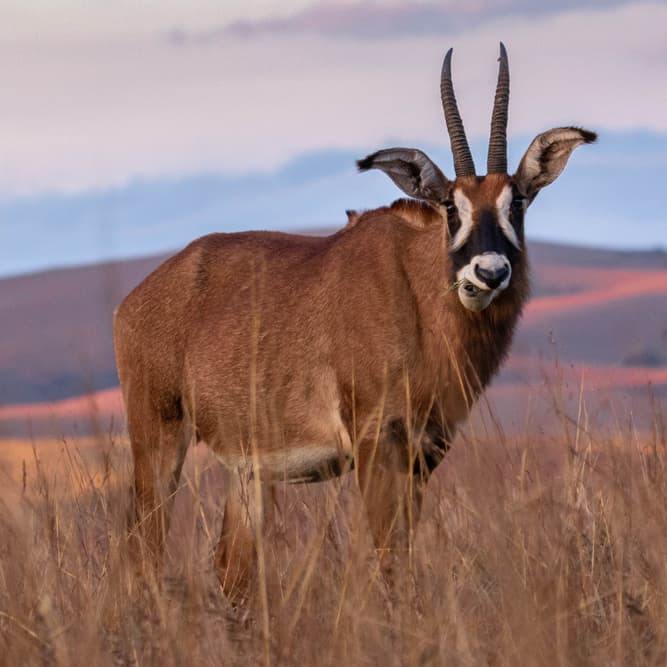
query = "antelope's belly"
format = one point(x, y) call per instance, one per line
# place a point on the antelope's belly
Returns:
point(297, 465)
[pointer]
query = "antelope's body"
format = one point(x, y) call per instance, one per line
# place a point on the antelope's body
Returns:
point(298, 358)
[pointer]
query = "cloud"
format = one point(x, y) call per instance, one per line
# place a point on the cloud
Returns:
point(98, 113)
point(83, 20)
point(383, 20)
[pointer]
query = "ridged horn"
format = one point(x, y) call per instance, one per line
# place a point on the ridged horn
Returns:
point(463, 164)
point(496, 161)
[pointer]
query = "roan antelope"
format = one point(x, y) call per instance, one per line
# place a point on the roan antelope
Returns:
point(298, 358)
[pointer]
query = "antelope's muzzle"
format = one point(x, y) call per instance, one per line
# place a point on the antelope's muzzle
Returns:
point(486, 276)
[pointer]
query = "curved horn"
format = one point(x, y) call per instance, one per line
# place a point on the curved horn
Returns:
point(463, 164)
point(496, 161)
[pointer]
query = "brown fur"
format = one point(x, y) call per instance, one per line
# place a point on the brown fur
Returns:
point(263, 344)
point(416, 213)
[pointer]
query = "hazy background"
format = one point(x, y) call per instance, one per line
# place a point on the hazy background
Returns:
point(128, 128)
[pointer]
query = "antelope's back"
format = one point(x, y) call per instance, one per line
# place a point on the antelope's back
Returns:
point(154, 321)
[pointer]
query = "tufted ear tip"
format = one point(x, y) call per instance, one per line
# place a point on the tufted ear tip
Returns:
point(588, 136)
point(366, 163)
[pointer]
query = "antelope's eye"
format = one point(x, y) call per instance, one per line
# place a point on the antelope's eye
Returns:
point(453, 222)
point(517, 201)
point(450, 206)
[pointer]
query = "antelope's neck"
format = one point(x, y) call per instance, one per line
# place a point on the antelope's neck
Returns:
point(480, 342)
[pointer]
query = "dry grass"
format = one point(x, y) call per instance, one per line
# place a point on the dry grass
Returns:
point(522, 558)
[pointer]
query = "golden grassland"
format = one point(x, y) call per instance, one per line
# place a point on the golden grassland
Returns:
point(530, 552)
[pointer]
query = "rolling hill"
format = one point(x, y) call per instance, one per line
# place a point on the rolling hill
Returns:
point(597, 317)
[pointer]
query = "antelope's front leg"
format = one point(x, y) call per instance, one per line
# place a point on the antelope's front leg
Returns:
point(392, 493)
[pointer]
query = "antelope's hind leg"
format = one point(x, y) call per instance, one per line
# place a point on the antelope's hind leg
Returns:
point(247, 511)
point(159, 446)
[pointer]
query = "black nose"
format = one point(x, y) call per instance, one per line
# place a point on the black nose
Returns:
point(492, 277)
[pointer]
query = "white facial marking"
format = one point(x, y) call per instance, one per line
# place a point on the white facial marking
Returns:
point(464, 208)
point(503, 204)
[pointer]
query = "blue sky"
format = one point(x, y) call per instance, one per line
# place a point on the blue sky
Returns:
point(104, 98)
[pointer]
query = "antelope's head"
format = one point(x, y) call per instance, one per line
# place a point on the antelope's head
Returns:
point(484, 214)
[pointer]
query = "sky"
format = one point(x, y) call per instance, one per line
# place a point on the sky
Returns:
point(101, 95)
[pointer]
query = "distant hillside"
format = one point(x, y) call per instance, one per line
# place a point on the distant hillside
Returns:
point(56, 329)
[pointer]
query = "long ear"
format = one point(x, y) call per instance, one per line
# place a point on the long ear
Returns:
point(546, 157)
point(412, 170)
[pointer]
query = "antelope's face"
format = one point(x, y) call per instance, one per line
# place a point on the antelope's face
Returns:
point(484, 213)
point(485, 236)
